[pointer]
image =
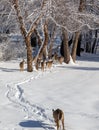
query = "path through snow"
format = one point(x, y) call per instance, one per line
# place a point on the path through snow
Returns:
point(16, 95)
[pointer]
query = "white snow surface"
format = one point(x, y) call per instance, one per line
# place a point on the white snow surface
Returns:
point(27, 99)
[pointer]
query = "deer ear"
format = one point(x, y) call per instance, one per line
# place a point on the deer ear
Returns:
point(52, 110)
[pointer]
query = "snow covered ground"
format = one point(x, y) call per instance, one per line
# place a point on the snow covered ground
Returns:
point(27, 99)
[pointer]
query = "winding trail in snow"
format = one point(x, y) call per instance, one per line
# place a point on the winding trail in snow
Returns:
point(16, 95)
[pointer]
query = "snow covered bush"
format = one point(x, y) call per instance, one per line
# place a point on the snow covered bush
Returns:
point(12, 50)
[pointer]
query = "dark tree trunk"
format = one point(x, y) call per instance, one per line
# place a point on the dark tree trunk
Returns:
point(62, 48)
point(70, 41)
point(66, 47)
point(29, 55)
point(88, 41)
point(88, 47)
point(38, 37)
point(95, 41)
point(74, 49)
point(79, 46)
point(77, 34)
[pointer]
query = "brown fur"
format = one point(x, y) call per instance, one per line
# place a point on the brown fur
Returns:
point(37, 63)
point(34, 59)
point(58, 116)
point(49, 64)
point(21, 65)
point(36, 66)
point(59, 59)
point(42, 65)
point(55, 56)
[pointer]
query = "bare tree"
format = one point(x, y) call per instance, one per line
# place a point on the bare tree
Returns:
point(44, 51)
point(27, 34)
point(77, 34)
point(73, 16)
point(8, 22)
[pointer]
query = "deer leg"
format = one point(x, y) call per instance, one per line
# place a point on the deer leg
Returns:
point(63, 124)
point(57, 123)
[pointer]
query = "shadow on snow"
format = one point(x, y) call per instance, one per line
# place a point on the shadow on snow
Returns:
point(35, 124)
point(81, 68)
point(9, 70)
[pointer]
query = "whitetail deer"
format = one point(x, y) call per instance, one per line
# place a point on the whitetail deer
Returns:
point(37, 63)
point(21, 65)
point(42, 65)
point(49, 64)
point(58, 116)
point(60, 59)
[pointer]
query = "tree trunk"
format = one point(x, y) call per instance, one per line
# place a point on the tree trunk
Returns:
point(66, 47)
point(24, 31)
point(77, 34)
point(79, 46)
point(38, 37)
point(51, 42)
point(26, 37)
point(74, 49)
point(43, 51)
point(88, 47)
point(62, 47)
point(29, 54)
point(94, 44)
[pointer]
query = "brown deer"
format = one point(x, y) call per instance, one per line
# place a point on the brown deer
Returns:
point(42, 65)
point(58, 116)
point(37, 64)
point(21, 65)
point(59, 59)
point(49, 64)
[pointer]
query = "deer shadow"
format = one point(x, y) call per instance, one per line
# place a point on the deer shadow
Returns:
point(8, 69)
point(2, 69)
point(35, 124)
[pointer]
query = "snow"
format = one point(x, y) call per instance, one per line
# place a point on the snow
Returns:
point(27, 99)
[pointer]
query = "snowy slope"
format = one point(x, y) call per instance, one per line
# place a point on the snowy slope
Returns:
point(27, 99)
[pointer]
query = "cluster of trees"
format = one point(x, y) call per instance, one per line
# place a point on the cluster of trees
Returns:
point(44, 18)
